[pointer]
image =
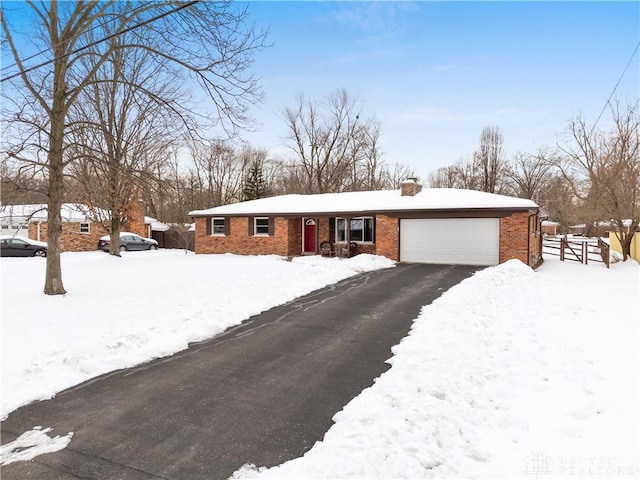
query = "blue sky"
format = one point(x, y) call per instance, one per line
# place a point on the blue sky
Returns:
point(436, 73)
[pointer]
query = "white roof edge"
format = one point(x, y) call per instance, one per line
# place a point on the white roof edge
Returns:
point(70, 212)
point(371, 201)
point(156, 224)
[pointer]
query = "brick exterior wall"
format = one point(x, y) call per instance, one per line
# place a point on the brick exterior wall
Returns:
point(238, 240)
point(550, 230)
point(287, 238)
point(71, 239)
point(323, 230)
point(388, 237)
point(294, 240)
point(517, 232)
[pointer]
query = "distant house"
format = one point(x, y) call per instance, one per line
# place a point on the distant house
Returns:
point(155, 229)
point(82, 226)
point(549, 228)
point(80, 230)
point(444, 226)
point(601, 228)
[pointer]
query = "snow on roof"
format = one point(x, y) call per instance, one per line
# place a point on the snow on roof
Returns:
point(71, 212)
point(549, 223)
point(371, 201)
point(156, 225)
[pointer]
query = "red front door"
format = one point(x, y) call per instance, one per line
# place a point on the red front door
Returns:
point(309, 235)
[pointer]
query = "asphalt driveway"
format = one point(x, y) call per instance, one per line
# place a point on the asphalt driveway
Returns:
point(263, 392)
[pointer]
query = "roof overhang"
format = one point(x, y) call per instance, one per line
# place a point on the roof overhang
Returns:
point(414, 213)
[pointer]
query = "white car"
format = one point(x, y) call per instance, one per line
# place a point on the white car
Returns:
point(128, 242)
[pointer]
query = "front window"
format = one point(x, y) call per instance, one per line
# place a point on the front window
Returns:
point(360, 230)
point(218, 226)
point(341, 233)
point(85, 228)
point(261, 226)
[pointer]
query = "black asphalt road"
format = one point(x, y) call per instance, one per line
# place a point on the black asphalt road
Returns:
point(263, 392)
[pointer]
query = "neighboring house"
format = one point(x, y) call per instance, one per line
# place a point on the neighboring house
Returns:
point(80, 231)
point(155, 229)
point(550, 228)
point(578, 229)
point(82, 226)
point(169, 236)
point(445, 226)
point(13, 222)
point(601, 228)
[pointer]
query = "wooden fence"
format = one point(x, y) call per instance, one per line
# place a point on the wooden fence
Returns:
point(583, 250)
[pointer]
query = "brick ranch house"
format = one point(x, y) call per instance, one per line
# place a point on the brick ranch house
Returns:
point(443, 226)
point(81, 230)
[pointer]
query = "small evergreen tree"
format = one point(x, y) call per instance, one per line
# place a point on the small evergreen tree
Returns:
point(254, 184)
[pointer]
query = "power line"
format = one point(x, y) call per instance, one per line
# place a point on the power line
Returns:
point(42, 52)
point(608, 102)
point(104, 39)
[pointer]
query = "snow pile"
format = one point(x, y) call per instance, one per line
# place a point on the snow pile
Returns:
point(31, 444)
point(120, 312)
point(510, 374)
point(360, 263)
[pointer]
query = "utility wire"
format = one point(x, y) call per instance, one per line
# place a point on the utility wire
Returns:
point(608, 102)
point(108, 37)
point(42, 52)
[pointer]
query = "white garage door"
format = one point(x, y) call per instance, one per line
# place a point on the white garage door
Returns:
point(456, 241)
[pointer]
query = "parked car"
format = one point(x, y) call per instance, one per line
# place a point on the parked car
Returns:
point(19, 246)
point(128, 242)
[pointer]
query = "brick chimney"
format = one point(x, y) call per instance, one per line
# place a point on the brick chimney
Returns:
point(135, 214)
point(410, 187)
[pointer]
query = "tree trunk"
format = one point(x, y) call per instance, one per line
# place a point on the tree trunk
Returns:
point(114, 235)
point(626, 246)
point(53, 277)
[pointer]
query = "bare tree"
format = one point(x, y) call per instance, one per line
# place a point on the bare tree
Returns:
point(604, 169)
point(330, 141)
point(221, 170)
point(444, 177)
point(528, 175)
point(489, 158)
point(368, 171)
point(559, 202)
point(206, 40)
point(122, 129)
point(468, 175)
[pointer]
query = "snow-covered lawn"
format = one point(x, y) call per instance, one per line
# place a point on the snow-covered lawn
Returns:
point(124, 311)
point(510, 374)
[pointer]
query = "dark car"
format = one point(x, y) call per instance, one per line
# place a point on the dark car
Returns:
point(19, 246)
point(128, 242)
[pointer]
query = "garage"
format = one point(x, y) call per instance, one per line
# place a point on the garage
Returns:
point(455, 241)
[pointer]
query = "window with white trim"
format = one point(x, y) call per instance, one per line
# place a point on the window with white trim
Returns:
point(261, 226)
point(218, 226)
point(85, 228)
point(361, 230)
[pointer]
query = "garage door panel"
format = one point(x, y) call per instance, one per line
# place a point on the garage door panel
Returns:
point(458, 241)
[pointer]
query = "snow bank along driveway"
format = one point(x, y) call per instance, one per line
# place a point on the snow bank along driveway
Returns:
point(510, 374)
